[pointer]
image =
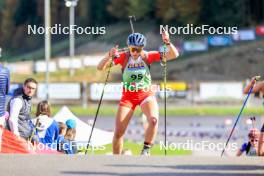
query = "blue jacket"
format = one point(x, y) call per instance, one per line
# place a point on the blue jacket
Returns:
point(4, 87)
point(48, 130)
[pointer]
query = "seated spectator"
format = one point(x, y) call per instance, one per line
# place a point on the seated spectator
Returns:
point(251, 147)
point(62, 131)
point(19, 109)
point(67, 144)
point(47, 128)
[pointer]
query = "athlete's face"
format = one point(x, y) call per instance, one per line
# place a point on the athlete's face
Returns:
point(30, 89)
point(135, 51)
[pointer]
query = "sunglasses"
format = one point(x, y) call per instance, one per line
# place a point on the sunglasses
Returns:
point(138, 50)
point(252, 140)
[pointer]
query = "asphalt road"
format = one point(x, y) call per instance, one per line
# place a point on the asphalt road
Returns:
point(188, 128)
point(47, 165)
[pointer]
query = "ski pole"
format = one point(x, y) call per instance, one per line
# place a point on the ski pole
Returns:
point(165, 98)
point(163, 50)
point(240, 112)
point(99, 105)
point(131, 23)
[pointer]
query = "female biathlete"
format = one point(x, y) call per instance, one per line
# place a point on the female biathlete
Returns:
point(258, 87)
point(136, 86)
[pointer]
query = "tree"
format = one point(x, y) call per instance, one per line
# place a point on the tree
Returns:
point(121, 9)
point(180, 11)
point(26, 12)
point(7, 23)
point(139, 8)
point(189, 11)
point(256, 10)
point(118, 9)
point(223, 13)
point(1, 5)
point(98, 13)
point(83, 9)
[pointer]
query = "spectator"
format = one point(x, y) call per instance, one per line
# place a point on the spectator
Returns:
point(250, 148)
point(70, 136)
point(258, 87)
point(71, 129)
point(61, 140)
point(4, 87)
point(68, 145)
point(47, 128)
point(62, 131)
point(19, 108)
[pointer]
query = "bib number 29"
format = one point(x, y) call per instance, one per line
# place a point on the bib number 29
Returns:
point(134, 77)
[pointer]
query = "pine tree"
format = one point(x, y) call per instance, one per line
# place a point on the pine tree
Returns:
point(121, 9)
point(7, 23)
point(179, 12)
point(223, 13)
point(118, 8)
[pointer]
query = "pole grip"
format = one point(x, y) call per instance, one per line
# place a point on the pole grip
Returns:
point(257, 78)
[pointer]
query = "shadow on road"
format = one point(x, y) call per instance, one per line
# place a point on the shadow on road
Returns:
point(160, 174)
point(178, 170)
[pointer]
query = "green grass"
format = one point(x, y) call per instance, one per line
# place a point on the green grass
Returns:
point(110, 111)
point(88, 74)
point(136, 149)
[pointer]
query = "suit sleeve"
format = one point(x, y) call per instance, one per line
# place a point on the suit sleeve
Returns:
point(243, 147)
point(153, 56)
point(120, 60)
point(15, 107)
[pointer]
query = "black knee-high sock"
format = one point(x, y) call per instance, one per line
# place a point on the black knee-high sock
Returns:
point(147, 145)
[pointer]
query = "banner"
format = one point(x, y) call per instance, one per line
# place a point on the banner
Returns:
point(246, 34)
point(92, 60)
point(219, 41)
point(62, 91)
point(40, 66)
point(221, 90)
point(21, 67)
point(195, 45)
point(260, 30)
point(66, 63)
point(174, 89)
point(175, 86)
